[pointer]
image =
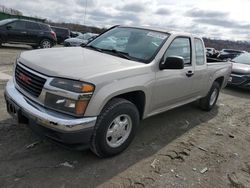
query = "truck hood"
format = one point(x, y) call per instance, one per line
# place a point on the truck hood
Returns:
point(241, 68)
point(79, 63)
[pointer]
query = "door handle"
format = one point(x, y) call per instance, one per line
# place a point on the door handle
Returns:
point(23, 32)
point(189, 73)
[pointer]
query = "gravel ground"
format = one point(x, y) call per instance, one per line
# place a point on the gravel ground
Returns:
point(184, 147)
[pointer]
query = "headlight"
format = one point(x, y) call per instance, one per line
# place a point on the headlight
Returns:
point(74, 106)
point(72, 85)
point(66, 105)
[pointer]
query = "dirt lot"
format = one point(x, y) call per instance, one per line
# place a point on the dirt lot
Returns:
point(185, 147)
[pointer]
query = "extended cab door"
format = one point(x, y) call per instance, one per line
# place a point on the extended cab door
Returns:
point(201, 76)
point(16, 31)
point(174, 86)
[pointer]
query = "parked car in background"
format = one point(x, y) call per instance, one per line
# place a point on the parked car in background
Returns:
point(212, 52)
point(240, 75)
point(95, 96)
point(229, 53)
point(62, 33)
point(74, 34)
point(80, 40)
point(20, 31)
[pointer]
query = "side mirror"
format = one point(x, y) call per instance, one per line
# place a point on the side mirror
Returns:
point(8, 27)
point(172, 62)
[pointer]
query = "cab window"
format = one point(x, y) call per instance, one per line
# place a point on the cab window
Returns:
point(199, 52)
point(180, 46)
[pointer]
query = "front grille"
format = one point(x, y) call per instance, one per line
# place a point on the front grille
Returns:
point(29, 82)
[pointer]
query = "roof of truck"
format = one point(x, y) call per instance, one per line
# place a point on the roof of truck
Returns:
point(161, 30)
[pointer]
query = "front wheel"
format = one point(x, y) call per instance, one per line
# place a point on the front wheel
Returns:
point(115, 128)
point(208, 102)
point(45, 43)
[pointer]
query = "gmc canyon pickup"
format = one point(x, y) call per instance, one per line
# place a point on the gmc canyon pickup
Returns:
point(95, 95)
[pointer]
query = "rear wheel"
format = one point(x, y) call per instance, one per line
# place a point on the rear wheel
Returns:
point(46, 43)
point(115, 128)
point(208, 102)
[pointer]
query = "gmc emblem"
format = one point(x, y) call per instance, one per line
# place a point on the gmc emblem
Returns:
point(24, 78)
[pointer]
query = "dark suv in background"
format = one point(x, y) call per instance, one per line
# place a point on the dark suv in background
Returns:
point(61, 33)
point(19, 31)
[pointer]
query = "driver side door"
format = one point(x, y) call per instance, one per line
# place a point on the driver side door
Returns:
point(173, 86)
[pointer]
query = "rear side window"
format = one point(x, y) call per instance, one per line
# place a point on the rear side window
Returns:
point(17, 25)
point(180, 46)
point(45, 27)
point(32, 26)
point(199, 52)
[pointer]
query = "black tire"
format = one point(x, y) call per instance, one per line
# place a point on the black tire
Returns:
point(46, 43)
point(113, 109)
point(208, 102)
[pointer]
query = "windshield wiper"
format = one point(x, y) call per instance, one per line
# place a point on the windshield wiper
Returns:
point(119, 53)
point(93, 47)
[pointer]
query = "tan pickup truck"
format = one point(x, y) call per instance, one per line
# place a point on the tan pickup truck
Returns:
point(95, 96)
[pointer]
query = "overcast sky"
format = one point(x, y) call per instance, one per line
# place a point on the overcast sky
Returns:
point(225, 19)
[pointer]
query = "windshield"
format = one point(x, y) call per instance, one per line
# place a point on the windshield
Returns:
point(138, 44)
point(3, 22)
point(243, 58)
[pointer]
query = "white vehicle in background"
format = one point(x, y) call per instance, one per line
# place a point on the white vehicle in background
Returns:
point(212, 52)
point(80, 39)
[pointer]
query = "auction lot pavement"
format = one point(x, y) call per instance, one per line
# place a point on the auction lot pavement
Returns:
point(185, 147)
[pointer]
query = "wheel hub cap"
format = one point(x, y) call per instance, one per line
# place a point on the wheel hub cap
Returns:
point(119, 131)
point(46, 44)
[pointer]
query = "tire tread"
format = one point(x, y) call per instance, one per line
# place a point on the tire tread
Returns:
point(107, 108)
point(204, 102)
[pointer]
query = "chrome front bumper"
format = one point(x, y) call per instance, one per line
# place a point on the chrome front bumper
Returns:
point(47, 118)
